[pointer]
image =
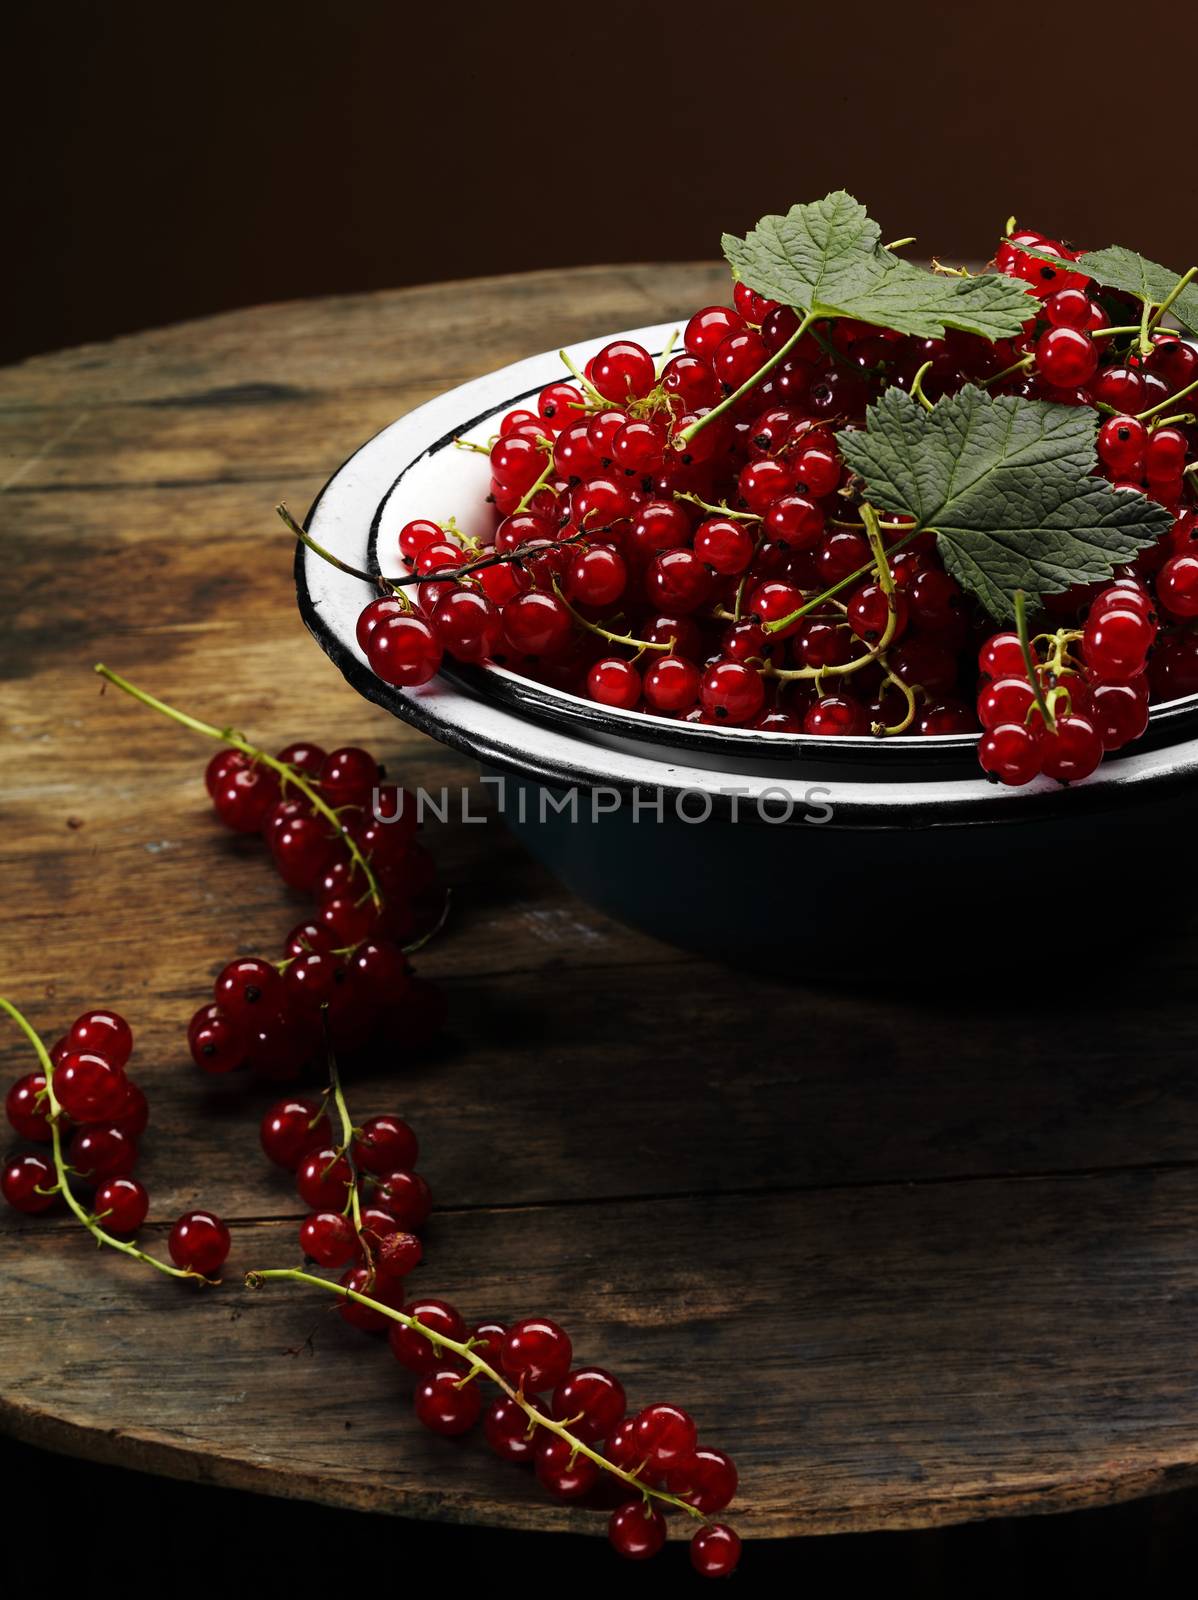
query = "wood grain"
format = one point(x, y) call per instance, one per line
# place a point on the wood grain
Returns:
point(914, 1250)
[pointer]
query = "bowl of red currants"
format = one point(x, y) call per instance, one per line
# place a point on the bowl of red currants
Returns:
point(869, 559)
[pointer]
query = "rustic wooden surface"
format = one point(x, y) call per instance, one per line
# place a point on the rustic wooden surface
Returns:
point(915, 1251)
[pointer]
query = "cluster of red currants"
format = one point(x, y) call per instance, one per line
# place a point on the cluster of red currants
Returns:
point(1089, 693)
point(105, 1114)
point(375, 889)
point(686, 541)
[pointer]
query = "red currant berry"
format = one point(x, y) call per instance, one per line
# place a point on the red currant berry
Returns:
point(446, 1403)
point(102, 1033)
point(291, 1129)
point(215, 1040)
point(467, 625)
point(133, 1113)
point(1010, 752)
point(706, 1480)
point(385, 1144)
point(199, 1240)
point(365, 1318)
point(24, 1182)
point(1119, 711)
point(416, 536)
point(1121, 442)
point(88, 1087)
point(869, 613)
point(596, 576)
point(303, 849)
point(412, 1349)
point(222, 767)
point(1073, 752)
point(304, 757)
point(732, 693)
point(323, 1179)
point(691, 382)
point(101, 1151)
point(665, 1436)
point(592, 1401)
point(559, 404)
point(623, 371)
point(795, 521)
point(26, 1107)
point(671, 684)
point(724, 545)
point(348, 777)
point(1120, 387)
point(1115, 644)
point(636, 1530)
point(406, 1197)
point(715, 1551)
point(738, 358)
point(327, 1237)
point(403, 649)
point(121, 1205)
point(564, 1474)
point(247, 988)
point(399, 1253)
point(614, 682)
point(1066, 357)
point(1165, 455)
point(509, 1431)
point(1069, 308)
point(537, 624)
point(1001, 657)
point(678, 581)
point(536, 1353)
point(245, 798)
point(1004, 700)
point(836, 714)
point(707, 330)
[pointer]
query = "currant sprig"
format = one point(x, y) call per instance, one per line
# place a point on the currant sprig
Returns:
point(477, 1366)
point(54, 1116)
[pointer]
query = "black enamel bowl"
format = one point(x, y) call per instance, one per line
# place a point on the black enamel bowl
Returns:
point(672, 825)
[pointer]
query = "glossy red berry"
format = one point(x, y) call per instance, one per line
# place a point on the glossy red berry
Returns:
point(592, 1401)
point(215, 1041)
point(738, 357)
point(614, 682)
point(1073, 752)
point(404, 650)
point(559, 404)
point(671, 684)
point(537, 624)
point(101, 1151)
point(726, 546)
point(678, 581)
point(247, 988)
point(1115, 644)
point(447, 1403)
point(1119, 711)
point(222, 767)
point(509, 1431)
point(245, 798)
point(837, 715)
point(88, 1087)
point(26, 1106)
point(563, 1473)
point(665, 1436)
point(412, 1349)
point(1121, 442)
point(715, 1551)
point(536, 1353)
point(636, 1530)
point(1066, 357)
point(732, 693)
point(467, 625)
point(406, 1197)
point(623, 371)
point(1004, 700)
point(133, 1112)
point(384, 1292)
point(199, 1240)
point(323, 1178)
point(121, 1205)
point(596, 576)
point(385, 1144)
point(707, 1480)
point(24, 1181)
point(398, 1253)
point(708, 328)
point(416, 536)
point(348, 777)
point(292, 1128)
point(1010, 752)
point(102, 1033)
point(328, 1238)
point(795, 520)
point(1001, 656)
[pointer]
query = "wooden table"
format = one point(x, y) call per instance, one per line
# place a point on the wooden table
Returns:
point(914, 1251)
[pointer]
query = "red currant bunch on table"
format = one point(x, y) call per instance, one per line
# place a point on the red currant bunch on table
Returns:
point(676, 534)
point(336, 831)
point(86, 1117)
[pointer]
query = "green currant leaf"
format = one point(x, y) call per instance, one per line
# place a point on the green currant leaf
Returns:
point(1006, 484)
point(827, 257)
point(1119, 268)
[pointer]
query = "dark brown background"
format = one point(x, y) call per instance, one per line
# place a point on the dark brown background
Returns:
point(169, 161)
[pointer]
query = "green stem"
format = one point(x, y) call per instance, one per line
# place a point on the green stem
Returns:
point(1145, 339)
point(353, 1204)
point(1186, 278)
point(287, 773)
point(687, 434)
point(539, 484)
point(715, 510)
point(1021, 365)
point(305, 538)
point(54, 1116)
point(1107, 333)
point(468, 1353)
point(828, 594)
point(916, 390)
point(1169, 400)
point(1029, 663)
point(638, 645)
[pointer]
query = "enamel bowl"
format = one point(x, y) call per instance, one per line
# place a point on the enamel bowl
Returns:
point(670, 825)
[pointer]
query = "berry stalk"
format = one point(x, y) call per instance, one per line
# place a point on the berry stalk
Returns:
point(477, 1366)
point(684, 438)
point(89, 1221)
point(288, 773)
